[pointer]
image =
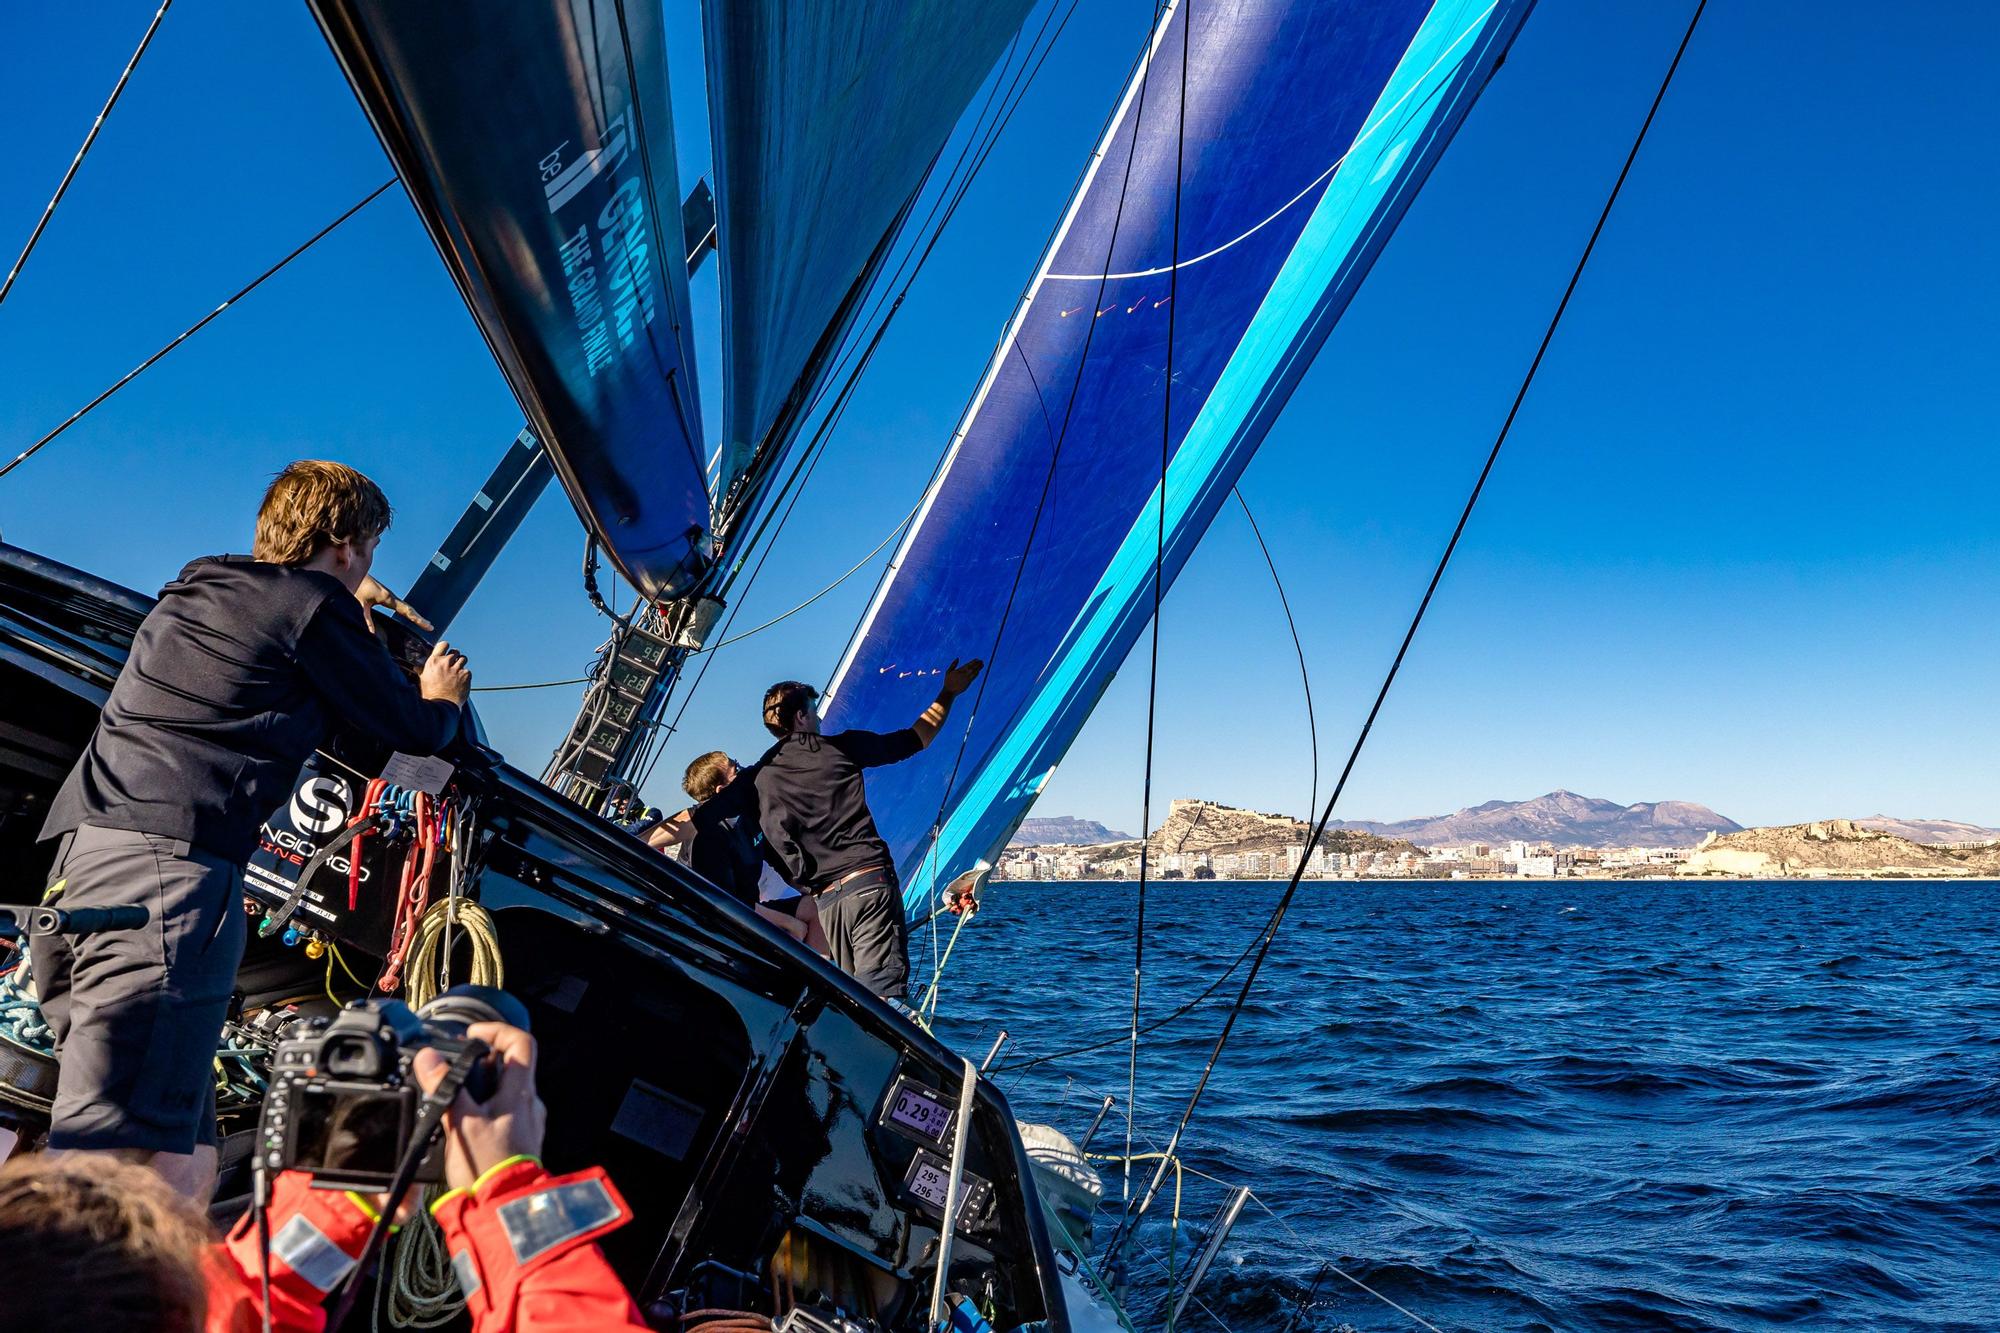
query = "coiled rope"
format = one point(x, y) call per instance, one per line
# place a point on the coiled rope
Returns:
point(21, 1020)
point(420, 1288)
point(430, 956)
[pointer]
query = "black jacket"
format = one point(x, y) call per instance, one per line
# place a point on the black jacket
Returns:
point(813, 805)
point(234, 678)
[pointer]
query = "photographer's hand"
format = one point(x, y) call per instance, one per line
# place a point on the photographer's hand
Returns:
point(480, 1136)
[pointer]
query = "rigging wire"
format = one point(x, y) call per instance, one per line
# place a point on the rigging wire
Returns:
point(852, 570)
point(1159, 564)
point(1126, 1225)
point(195, 328)
point(49, 210)
point(1305, 678)
point(817, 452)
point(985, 141)
point(533, 685)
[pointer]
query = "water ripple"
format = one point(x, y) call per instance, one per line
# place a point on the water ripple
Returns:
point(1645, 1105)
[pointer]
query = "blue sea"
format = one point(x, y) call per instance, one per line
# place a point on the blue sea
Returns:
point(1509, 1105)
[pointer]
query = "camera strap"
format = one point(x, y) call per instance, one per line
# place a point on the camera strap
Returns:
point(430, 1120)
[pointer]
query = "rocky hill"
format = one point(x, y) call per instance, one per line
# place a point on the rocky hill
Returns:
point(1563, 819)
point(1204, 826)
point(1929, 830)
point(1835, 849)
point(1065, 831)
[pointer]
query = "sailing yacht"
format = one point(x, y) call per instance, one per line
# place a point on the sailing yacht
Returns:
point(794, 1148)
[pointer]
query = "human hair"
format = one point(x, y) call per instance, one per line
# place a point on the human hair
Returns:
point(100, 1245)
point(784, 702)
point(314, 504)
point(706, 775)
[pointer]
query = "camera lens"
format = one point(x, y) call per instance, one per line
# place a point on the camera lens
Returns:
point(462, 1006)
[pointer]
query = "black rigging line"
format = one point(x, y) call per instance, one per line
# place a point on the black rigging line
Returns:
point(1055, 451)
point(1159, 570)
point(1126, 1225)
point(193, 329)
point(1305, 680)
point(532, 685)
point(48, 211)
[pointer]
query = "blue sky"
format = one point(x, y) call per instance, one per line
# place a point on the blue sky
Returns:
point(1741, 549)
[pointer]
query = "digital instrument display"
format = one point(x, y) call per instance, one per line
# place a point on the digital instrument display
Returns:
point(928, 1181)
point(920, 1111)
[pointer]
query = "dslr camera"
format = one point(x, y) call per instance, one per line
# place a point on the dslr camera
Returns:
point(343, 1104)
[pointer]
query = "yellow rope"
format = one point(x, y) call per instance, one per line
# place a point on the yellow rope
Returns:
point(428, 958)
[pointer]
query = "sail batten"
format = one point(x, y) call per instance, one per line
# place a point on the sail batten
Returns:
point(1036, 543)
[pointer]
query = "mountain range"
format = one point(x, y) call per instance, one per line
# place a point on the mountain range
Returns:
point(1065, 831)
point(1929, 830)
point(1561, 818)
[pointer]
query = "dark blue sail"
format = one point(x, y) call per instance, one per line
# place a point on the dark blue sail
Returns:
point(1308, 129)
point(534, 139)
point(826, 118)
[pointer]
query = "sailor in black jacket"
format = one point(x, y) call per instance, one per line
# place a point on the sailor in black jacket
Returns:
point(234, 679)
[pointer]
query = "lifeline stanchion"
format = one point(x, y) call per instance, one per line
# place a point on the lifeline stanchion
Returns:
point(998, 1042)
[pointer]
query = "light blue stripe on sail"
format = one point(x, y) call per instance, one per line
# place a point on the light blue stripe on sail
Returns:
point(1450, 33)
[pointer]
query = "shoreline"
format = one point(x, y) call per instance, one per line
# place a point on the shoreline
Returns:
point(1592, 880)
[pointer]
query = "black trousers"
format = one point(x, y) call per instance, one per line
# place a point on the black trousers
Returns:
point(863, 921)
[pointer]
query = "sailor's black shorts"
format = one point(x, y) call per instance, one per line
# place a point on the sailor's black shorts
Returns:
point(863, 921)
point(137, 1013)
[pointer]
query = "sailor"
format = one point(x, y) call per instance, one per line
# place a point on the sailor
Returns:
point(234, 678)
point(109, 1248)
point(813, 809)
point(726, 847)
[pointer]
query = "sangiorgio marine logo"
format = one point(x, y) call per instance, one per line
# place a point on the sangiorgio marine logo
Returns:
point(322, 804)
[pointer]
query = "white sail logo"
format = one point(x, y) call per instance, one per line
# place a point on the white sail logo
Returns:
point(322, 804)
point(607, 321)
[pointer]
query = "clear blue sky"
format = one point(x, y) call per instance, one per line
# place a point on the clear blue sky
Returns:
point(1741, 549)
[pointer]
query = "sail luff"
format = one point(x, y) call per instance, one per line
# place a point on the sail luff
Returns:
point(1001, 352)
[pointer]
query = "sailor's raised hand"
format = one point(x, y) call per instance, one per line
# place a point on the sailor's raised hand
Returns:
point(372, 594)
point(958, 679)
point(446, 675)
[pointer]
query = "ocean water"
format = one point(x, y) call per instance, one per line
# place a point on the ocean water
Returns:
point(1506, 1105)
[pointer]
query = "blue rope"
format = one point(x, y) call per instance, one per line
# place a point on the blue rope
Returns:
point(21, 1020)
